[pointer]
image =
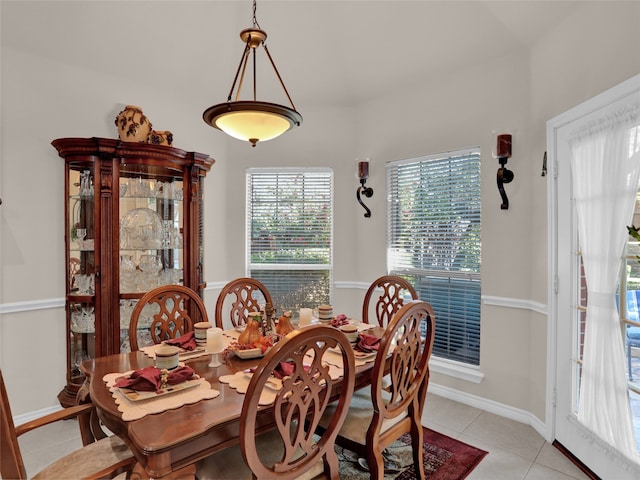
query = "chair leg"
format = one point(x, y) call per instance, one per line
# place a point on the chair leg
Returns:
point(375, 461)
point(331, 465)
point(418, 450)
point(629, 360)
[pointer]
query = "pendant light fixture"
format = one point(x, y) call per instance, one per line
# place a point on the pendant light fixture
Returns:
point(252, 120)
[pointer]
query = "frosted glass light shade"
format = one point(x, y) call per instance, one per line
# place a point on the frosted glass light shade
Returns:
point(252, 121)
point(245, 125)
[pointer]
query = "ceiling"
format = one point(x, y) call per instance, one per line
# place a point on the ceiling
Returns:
point(327, 52)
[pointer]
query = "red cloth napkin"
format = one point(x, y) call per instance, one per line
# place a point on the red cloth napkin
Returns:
point(148, 379)
point(339, 320)
point(283, 369)
point(367, 343)
point(186, 341)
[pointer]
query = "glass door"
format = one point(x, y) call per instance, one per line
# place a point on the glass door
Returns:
point(81, 262)
point(569, 299)
point(151, 211)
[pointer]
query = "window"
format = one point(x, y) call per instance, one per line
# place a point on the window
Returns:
point(433, 240)
point(629, 299)
point(290, 250)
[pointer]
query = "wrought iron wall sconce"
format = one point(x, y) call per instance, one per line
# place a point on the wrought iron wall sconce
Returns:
point(503, 152)
point(363, 174)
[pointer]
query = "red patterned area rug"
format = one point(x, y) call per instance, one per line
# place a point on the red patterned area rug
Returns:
point(445, 458)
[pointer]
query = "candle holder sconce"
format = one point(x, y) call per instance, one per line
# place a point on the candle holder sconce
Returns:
point(363, 174)
point(503, 152)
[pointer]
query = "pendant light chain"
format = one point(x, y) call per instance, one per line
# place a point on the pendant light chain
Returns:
point(254, 74)
point(255, 19)
point(255, 25)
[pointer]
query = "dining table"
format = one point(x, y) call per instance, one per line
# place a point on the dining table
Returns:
point(169, 434)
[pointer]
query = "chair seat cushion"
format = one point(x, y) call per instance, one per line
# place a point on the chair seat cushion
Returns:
point(228, 464)
point(359, 417)
point(89, 460)
point(633, 334)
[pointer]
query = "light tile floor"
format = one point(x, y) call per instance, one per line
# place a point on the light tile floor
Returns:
point(516, 451)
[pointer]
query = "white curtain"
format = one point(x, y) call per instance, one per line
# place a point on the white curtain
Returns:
point(605, 166)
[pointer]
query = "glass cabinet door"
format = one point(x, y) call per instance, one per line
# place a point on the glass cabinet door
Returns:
point(81, 264)
point(151, 242)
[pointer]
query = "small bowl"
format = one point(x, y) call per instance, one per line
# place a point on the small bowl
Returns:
point(350, 331)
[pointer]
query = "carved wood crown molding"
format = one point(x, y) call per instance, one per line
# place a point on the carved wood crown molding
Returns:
point(130, 150)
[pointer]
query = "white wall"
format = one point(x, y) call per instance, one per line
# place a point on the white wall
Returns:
point(43, 100)
point(460, 110)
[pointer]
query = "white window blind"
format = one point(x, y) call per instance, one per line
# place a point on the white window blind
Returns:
point(289, 230)
point(433, 240)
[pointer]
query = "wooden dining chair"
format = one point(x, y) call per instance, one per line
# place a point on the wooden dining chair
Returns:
point(290, 450)
point(246, 295)
point(377, 416)
point(390, 300)
point(106, 458)
point(178, 308)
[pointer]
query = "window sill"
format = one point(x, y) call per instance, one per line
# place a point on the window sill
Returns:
point(470, 373)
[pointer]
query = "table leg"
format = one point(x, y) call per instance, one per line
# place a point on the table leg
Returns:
point(90, 428)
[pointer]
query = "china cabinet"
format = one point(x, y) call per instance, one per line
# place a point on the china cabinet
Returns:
point(133, 222)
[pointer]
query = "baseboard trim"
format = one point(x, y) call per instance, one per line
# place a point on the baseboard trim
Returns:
point(29, 416)
point(490, 406)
